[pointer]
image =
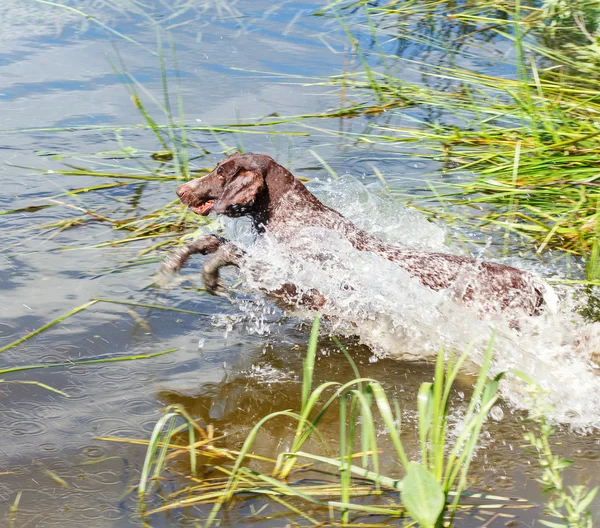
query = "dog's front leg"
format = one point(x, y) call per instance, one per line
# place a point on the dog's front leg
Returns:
point(287, 295)
point(204, 246)
point(227, 254)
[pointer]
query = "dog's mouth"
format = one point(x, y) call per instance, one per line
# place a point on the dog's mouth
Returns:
point(204, 208)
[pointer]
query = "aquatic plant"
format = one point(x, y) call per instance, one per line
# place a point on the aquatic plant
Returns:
point(574, 26)
point(431, 490)
point(520, 150)
point(568, 504)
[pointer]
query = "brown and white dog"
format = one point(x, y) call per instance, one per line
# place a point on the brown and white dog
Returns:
point(254, 185)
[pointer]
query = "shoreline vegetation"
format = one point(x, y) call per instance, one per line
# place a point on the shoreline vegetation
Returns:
point(352, 486)
point(519, 152)
point(523, 145)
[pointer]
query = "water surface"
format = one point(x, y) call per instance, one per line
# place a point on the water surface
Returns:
point(61, 102)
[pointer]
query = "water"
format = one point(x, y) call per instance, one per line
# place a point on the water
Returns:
point(400, 318)
point(60, 102)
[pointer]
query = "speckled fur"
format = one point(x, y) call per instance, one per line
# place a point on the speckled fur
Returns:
point(255, 185)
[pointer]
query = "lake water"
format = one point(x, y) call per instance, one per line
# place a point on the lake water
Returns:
point(61, 103)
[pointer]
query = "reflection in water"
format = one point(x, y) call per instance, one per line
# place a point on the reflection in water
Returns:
point(40, 18)
point(269, 381)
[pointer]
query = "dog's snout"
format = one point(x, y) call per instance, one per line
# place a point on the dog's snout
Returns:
point(182, 191)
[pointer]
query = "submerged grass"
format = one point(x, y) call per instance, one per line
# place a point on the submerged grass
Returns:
point(90, 361)
point(83, 307)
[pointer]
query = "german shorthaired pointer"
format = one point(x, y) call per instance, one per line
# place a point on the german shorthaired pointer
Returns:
point(255, 185)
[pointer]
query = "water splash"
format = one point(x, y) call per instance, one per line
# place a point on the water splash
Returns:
point(374, 299)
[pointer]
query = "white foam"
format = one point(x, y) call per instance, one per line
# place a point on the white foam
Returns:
point(395, 315)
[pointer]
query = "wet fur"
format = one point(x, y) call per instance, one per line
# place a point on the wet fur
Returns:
point(254, 185)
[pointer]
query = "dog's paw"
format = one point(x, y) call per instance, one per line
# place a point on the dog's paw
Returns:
point(174, 262)
point(212, 284)
point(219, 289)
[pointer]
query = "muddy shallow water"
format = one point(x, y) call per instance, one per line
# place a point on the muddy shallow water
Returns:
point(60, 101)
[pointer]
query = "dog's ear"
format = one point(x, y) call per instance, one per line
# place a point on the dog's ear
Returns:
point(240, 193)
point(231, 165)
point(228, 167)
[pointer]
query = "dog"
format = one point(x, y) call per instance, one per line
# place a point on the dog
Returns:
point(256, 186)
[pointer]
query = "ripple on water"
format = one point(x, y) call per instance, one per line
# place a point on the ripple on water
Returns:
point(93, 451)
point(111, 426)
point(7, 330)
point(54, 358)
point(589, 456)
point(26, 427)
point(497, 483)
point(106, 513)
point(49, 411)
point(49, 447)
point(111, 386)
point(164, 363)
point(76, 392)
point(142, 377)
point(105, 477)
point(117, 373)
point(60, 467)
point(147, 426)
point(96, 515)
point(80, 371)
point(119, 289)
point(139, 407)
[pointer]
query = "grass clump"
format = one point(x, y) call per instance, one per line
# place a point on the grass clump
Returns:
point(520, 149)
point(352, 485)
point(574, 26)
point(567, 505)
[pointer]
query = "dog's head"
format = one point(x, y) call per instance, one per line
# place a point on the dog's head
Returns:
point(232, 188)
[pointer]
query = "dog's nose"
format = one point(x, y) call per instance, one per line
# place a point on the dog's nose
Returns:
point(181, 190)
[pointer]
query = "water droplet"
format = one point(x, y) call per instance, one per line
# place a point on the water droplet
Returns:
point(496, 413)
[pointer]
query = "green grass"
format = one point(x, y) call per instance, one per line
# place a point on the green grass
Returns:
point(430, 491)
point(524, 147)
point(179, 159)
point(566, 505)
point(352, 487)
point(518, 159)
point(519, 150)
point(90, 361)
